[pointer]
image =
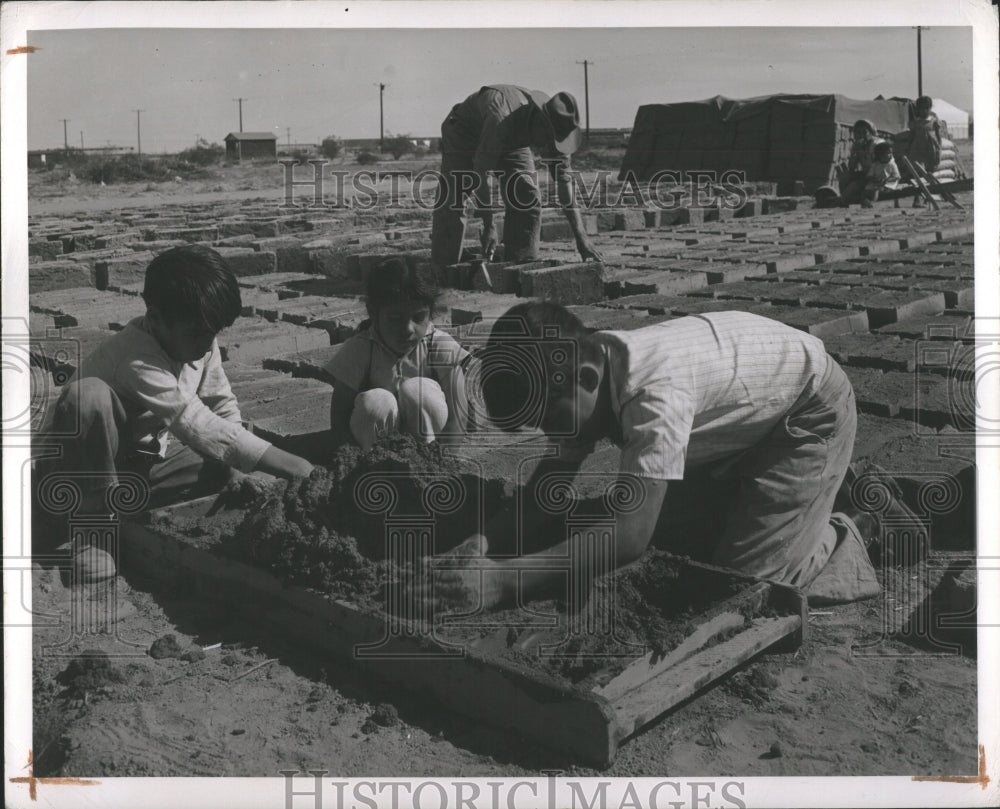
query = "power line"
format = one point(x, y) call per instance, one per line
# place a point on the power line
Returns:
point(381, 117)
point(920, 66)
point(240, 102)
point(586, 94)
point(138, 132)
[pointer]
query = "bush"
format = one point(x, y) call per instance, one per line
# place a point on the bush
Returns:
point(203, 153)
point(366, 158)
point(331, 147)
point(398, 146)
point(127, 168)
point(73, 158)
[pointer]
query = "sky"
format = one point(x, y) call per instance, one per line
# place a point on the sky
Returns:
point(319, 82)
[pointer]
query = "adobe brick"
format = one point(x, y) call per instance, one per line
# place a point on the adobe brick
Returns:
point(247, 261)
point(891, 307)
point(250, 340)
point(120, 271)
point(948, 326)
point(44, 276)
point(566, 283)
point(310, 364)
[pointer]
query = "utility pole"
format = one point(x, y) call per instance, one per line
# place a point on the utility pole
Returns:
point(81, 140)
point(65, 135)
point(381, 118)
point(138, 132)
point(920, 65)
point(586, 94)
point(288, 135)
point(240, 102)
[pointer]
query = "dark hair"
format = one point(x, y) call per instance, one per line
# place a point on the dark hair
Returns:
point(926, 101)
point(399, 280)
point(883, 145)
point(193, 284)
point(529, 356)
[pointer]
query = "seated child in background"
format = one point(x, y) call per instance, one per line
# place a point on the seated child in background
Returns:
point(882, 174)
point(399, 371)
point(732, 396)
point(852, 182)
point(160, 376)
point(925, 140)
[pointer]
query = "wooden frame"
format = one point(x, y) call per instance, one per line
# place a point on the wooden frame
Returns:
point(587, 725)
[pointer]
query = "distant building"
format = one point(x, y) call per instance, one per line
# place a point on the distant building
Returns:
point(251, 145)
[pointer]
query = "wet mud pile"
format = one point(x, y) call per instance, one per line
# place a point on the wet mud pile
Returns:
point(330, 531)
point(645, 609)
point(355, 529)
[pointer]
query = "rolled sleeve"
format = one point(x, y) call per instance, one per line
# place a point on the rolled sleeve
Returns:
point(217, 438)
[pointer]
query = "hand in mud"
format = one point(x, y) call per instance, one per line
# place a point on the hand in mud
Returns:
point(465, 579)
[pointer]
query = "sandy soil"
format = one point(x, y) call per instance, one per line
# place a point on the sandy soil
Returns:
point(845, 703)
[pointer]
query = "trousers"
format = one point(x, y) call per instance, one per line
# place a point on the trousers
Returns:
point(522, 224)
point(89, 426)
point(420, 409)
point(770, 513)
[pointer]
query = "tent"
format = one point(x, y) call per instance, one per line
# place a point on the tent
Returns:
point(779, 138)
point(956, 119)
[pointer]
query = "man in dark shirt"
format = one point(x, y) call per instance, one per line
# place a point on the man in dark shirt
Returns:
point(494, 130)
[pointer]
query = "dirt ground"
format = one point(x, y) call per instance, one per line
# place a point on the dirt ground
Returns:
point(848, 702)
point(845, 703)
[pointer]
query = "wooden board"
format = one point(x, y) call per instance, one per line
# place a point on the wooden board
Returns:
point(586, 724)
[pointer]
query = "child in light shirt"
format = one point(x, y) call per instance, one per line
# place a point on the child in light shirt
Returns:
point(399, 372)
point(883, 173)
point(153, 400)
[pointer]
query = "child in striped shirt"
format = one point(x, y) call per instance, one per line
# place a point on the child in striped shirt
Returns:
point(725, 398)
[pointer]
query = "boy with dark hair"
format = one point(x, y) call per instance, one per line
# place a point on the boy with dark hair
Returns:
point(725, 396)
point(160, 376)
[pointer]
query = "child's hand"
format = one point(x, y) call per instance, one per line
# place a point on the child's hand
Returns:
point(465, 579)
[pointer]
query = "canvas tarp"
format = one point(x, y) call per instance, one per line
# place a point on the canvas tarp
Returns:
point(775, 138)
